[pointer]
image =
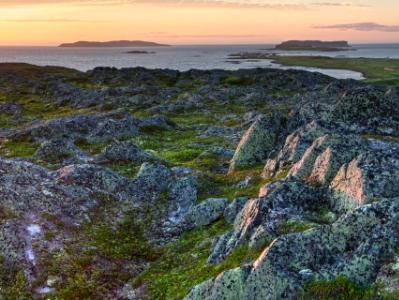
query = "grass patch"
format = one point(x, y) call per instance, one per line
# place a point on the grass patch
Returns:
point(376, 70)
point(11, 148)
point(340, 288)
point(93, 149)
point(293, 226)
point(128, 170)
point(383, 138)
point(183, 264)
point(235, 80)
point(222, 185)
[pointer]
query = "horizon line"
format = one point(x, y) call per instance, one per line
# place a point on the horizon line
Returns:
point(195, 44)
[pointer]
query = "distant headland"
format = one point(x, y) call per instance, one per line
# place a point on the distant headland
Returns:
point(122, 43)
point(314, 46)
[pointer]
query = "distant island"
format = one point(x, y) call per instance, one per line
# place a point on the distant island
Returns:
point(108, 44)
point(314, 46)
point(140, 52)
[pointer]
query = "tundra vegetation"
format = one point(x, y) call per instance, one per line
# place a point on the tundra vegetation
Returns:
point(159, 184)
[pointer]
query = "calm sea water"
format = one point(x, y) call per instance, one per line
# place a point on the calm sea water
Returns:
point(179, 57)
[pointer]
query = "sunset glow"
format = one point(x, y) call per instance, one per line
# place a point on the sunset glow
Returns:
point(50, 22)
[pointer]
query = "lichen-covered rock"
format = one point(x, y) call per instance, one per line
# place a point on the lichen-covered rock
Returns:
point(25, 187)
point(294, 147)
point(355, 247)
point(93, 177)
point(368, 177)
point(322, 160)
point(181, 197)
point(261, 218)
point(124, 152)
point(228, 286)
point(60, 151)
point(258, 141)
point(206, 212)
point(155, 176)
point(92, 128)
point(234, 208)
point(356, 109)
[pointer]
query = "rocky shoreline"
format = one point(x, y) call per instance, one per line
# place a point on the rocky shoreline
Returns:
point(159, 184)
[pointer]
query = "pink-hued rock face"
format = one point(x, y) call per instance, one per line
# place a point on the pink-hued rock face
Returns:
point(321, 167)
point(349, 182)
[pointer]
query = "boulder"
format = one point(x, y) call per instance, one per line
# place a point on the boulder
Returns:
point(181, 197)
point(93, 177)
point(258, 142)
point(124, 152)
point(60, 151)
point(206, 212)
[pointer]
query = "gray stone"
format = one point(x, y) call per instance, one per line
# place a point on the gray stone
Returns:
point(206, 212)
point(234, 208)
point(258, 142)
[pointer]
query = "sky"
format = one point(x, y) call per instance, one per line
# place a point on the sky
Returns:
point(50, 22)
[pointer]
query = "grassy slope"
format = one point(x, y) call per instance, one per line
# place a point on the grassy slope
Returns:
point(375, 70)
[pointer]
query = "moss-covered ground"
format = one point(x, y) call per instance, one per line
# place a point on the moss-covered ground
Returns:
point(376, 70)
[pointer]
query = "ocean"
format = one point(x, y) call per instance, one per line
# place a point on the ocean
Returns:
point(181, 57)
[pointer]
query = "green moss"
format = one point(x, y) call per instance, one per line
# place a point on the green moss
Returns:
point(338, 289)
point(180, 156)
point(21, 148)
point(235, 80)
point(13, 285)
point(383, 138)
point(194, 119)
point(183, 264)
point(379, 70)
point(293, 226)
point(91, 148)
point(125, 241)
point(96, 258)
point(128, 170)
point(177, 147)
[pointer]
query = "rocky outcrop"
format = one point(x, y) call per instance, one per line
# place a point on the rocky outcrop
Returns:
point(370, 176)
point(91, 128)
point(355, 247)
point(181, 196)
point(325, 156)
point(258, 142)
point(294, 147)
point(234, 208)
point(34, 199)
point(260, 219)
